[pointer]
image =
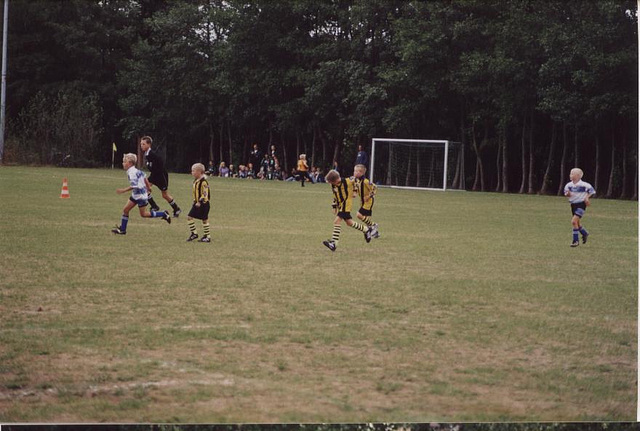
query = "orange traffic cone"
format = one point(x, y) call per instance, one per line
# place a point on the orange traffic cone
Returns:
point(64, 194)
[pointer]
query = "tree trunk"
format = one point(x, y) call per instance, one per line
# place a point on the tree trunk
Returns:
point(635, 179)
point(505, 162)
point(613, 165)
point(479, 175)
point(532, 189)
point(211, 141)
point(623, 193)
point(597, 174)
point(284, 154)
point(230, 144)
point(546, 179)
point(336, 151)
point(221, 140)
point(298, 144)
point(313, 148)
point(523, 156)
point(576, 158)
point(406, 180)
point(245, 150)
point(324, 146)
point(563, 160)
point(498, 154)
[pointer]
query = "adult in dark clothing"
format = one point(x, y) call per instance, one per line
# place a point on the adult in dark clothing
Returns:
point(255, 156)
point(362, 158)
point(159, 176)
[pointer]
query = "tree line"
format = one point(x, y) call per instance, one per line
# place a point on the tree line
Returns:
point(531, 88)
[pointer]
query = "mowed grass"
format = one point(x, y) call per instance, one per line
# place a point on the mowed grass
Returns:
point(469, 307)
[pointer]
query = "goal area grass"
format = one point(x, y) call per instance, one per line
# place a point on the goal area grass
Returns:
point(469, 307)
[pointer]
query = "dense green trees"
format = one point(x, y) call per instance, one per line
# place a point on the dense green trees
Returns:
point(531, 87)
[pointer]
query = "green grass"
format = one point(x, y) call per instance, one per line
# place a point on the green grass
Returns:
point(470, 307)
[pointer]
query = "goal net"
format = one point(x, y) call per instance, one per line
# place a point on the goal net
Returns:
point(417, 163)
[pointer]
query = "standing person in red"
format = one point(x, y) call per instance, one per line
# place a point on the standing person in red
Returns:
point(159, 176)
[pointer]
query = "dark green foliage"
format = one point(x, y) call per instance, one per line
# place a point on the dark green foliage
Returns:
point(207, 78)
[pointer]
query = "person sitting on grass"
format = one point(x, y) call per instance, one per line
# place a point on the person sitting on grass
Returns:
point(343, 192)
point(200, 208)
point(138, 185)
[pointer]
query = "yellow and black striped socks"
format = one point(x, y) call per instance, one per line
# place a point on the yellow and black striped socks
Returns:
point(336, 234)
point(367, 220)
point(358, 226)
point(192, 226)
point(205, 228)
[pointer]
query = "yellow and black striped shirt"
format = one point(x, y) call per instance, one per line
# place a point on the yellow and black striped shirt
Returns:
point(201, 190)
point(343, 195)
point(366, 189)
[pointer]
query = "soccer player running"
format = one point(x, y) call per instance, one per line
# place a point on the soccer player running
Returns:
point(367, 191)
point(200, 208)
point(159, 176)
point(343, 192)
point(578, 192)
point(138, 185)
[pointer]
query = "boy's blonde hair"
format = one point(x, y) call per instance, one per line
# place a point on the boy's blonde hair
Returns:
point(361, 166)
point(332, 176)
point(130, 157)
point(198, 167)
point(577, 171)
point(303, 156)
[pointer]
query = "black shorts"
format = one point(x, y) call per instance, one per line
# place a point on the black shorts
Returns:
point(578, 209)
point(364, 212)
point(161, 181)
point(201, 212)
point(344, 215)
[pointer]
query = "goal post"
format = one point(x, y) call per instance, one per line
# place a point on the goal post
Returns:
point(429, 164)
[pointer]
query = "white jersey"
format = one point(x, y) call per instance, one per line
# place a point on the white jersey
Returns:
point(579, 191)
point(136, 180)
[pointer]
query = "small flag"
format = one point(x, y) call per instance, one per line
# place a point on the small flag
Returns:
point(114, 147)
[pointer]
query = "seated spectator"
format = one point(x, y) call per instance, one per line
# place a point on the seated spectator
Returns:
point(264, 164)
point(232, 172)
point(223, 171)
point(250, 172)
point(320, 176)
point(242, 171)
point(278, 173)
point(211, 170)
point(293, 176)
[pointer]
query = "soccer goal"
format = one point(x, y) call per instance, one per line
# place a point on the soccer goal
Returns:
point(417, 164)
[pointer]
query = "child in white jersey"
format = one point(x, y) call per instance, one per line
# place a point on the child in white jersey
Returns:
point(138, 185)
point(578, 192)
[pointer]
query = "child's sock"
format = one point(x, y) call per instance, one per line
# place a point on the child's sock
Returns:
point(123, 223)
point(153, 203)
point(367, 220)
point(336, 234)
point(583, 231)
point(192, 226)
point(157, 213)
point(575, 235)
point(174, 205)
point(205, 228)
point(358, 226)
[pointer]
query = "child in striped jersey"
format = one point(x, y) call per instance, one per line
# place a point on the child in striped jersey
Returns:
point(578, 192)
point(343, 192)
point(200, 208)
point(367, 191)
point(138, 185)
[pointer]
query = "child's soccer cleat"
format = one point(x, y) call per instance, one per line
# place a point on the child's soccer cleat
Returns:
point(367, 234)
point(375, 233)
point(192, 237)
point(177, 212)
point(205, 239)
point(166, 217)
point(584, 238)
point(330, 245)
point(575, 243)
point(118, 231)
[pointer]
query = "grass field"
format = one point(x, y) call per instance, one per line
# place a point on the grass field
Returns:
point(469, 307)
